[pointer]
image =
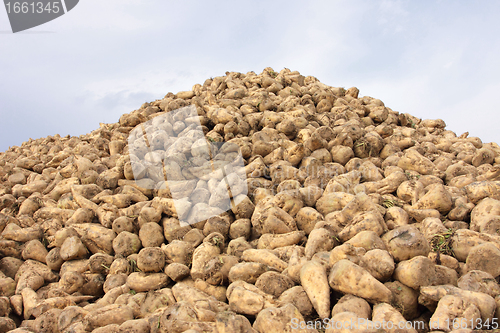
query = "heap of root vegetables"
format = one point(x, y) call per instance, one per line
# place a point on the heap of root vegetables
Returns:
point(351, 213)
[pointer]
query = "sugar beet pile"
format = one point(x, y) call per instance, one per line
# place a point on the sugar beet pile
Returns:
point(351, 212)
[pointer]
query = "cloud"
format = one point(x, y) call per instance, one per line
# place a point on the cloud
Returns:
point(106, 58)
point(393, 16)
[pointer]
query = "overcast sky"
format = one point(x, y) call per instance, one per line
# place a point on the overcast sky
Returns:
point(432, 59)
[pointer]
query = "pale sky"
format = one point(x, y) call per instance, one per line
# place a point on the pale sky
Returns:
point(432, 59)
